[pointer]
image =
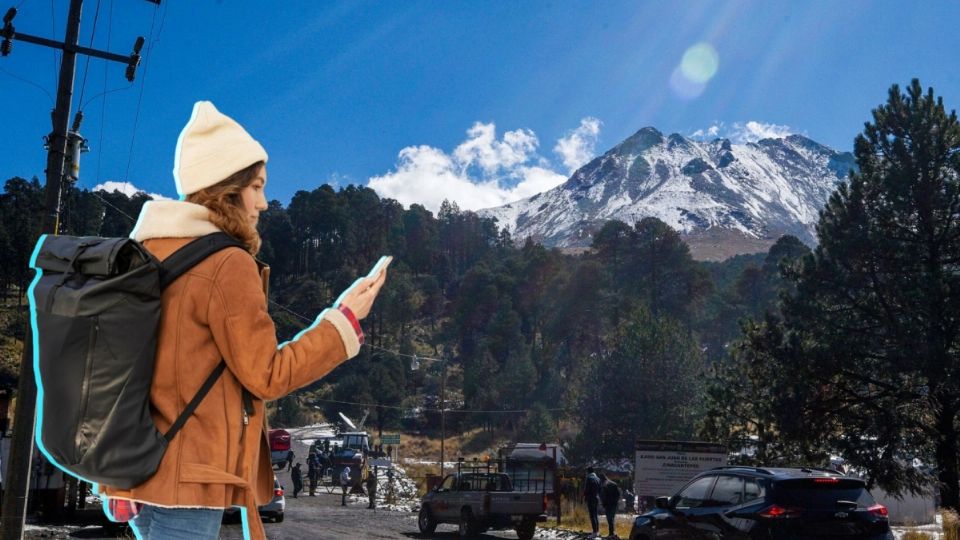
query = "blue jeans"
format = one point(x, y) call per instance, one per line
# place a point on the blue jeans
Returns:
point(158, 523)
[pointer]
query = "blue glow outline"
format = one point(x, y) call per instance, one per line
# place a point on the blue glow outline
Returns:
point(133, 527)
point(245, 521)
point(38, 424)
point(385, 260)
point(313, 325)
point(140, 219)
point(176, 153)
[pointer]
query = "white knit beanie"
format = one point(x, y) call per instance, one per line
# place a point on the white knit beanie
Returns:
point(211, 147)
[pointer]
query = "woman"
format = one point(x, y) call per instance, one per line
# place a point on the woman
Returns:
point(218, 310)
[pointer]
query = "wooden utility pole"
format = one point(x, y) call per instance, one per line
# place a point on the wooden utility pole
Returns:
point(17, 477)
point(443, 423)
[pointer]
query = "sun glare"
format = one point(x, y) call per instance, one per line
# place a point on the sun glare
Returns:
point(698, 65)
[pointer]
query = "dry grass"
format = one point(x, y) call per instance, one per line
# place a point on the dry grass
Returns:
point(913, 535)
point(575, 518)
point(418, 473)
point(471, 444)
point(951, 523)
point(423, 448)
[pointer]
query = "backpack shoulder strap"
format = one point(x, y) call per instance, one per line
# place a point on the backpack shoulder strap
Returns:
point(175, 266)
point(195, 402)
point(192, 254)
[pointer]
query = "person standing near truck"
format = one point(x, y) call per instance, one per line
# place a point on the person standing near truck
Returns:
point(591, 494)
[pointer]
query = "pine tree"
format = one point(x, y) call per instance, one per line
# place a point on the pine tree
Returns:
point(645, 385)
point(872, 335)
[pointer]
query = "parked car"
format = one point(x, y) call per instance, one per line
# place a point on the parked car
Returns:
point(272, 510)
point(478, 501)
point(748, 503)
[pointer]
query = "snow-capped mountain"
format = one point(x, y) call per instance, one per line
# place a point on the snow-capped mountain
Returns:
point(757, 191)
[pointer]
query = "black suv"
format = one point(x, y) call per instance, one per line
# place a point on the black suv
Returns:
point(748, 503)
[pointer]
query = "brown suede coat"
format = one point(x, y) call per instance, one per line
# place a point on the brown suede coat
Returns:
point(219, 310)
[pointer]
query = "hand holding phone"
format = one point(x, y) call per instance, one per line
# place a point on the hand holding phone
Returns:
point(359, 297)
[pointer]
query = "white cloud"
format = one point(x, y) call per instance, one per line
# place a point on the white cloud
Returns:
point(483, 149)
point(579, 146)
point(743, 132)
point(126, 188)
point(483, 171)
point(754, 131)
point(710, 133)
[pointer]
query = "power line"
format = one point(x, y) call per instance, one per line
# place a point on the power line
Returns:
point(86, 69)
point(103, 106)
point(370, 345)
point(163, 21)
point(292, 312)
point(104, 201)
point(19, 78)
point(143, 84)
point(106, 92)
point(411, 356)
point(53, 34)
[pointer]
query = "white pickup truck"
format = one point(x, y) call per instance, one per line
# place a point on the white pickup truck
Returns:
point(479, 501)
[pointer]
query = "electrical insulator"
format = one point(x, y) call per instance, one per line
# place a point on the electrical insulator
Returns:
point(76, 145)
point(8, 32)
point(134, 59)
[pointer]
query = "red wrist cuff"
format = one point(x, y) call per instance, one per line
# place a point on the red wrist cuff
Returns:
point(348, 313)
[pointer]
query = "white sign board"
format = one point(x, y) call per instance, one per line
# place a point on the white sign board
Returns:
point(663, 467)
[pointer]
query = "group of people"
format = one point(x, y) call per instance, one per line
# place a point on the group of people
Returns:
point(597, 490)
point(315, 463)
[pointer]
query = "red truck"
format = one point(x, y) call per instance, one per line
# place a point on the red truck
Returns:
point(279, 447)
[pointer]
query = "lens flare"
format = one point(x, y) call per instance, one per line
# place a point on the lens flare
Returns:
point(683, 87)
point(700, 63)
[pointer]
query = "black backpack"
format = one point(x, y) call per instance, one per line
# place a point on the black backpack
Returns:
point(95, 307)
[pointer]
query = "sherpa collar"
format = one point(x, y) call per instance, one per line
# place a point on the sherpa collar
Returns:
point(172, 219)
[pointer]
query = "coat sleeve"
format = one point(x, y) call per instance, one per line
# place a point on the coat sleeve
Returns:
point(246, 336)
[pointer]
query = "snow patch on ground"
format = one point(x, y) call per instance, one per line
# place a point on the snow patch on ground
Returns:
point(398, 494)
point(935, 530)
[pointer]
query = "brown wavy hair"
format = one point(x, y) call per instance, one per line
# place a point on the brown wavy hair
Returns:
point(226, 206)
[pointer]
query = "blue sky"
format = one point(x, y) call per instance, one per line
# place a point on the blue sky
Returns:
point(480, 102)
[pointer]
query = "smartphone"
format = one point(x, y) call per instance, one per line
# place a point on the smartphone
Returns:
point(381, 264)
point(377, 268)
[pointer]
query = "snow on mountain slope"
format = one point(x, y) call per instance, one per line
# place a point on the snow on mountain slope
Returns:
point(759, 190)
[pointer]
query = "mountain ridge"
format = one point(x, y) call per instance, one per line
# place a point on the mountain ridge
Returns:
point(704, 189)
